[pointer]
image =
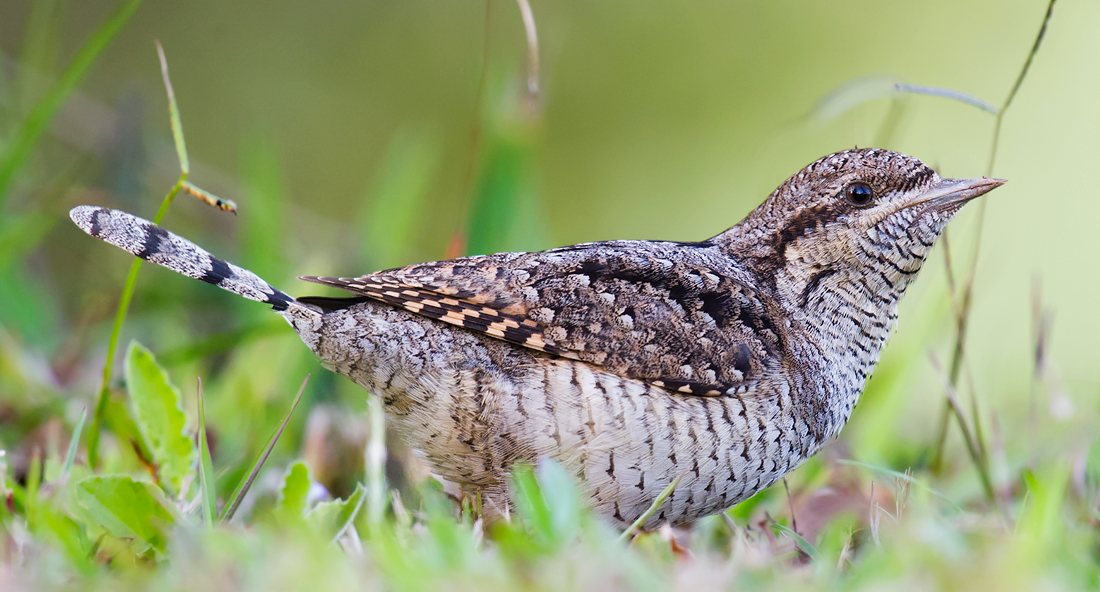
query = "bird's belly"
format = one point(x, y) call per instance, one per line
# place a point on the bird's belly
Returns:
point(472, 406)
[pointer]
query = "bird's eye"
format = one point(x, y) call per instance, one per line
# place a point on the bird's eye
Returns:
point(859, 194)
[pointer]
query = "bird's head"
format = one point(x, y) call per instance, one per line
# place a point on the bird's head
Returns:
point(865, 213)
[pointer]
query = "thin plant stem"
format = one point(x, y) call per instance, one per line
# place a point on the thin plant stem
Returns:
point(637, 525)
point(1018, 83)
point(963, 317)
point(174, 113)
point(116, 330)
point(972, 446)
point(531, 33)
point(790, 503)
point(131, 279)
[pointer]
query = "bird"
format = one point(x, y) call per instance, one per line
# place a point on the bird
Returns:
point(725, 363)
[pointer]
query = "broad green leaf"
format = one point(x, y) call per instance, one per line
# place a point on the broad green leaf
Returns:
point(159, 415)
point(548, 507)
point(127, 509)
point(119, 416)
point(292, 497)
point(330, 519)
point(448, 545)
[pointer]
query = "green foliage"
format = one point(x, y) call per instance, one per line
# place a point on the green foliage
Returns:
point(548, 507)
point(126, 509)
point(652, 509)
point(332, 518)
point(291, 508)
point(158, 412)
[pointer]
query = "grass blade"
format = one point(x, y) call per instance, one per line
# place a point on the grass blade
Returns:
point(74, 444)
point(946, 93)
point(903, 477)
point(243, 486)
point(656, 505)
point(973, 447)
point(44, 110)
point(206, 467)
point(174, 113)
point(799, 541)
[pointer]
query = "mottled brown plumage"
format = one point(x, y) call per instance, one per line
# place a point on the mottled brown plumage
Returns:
point(665, 313)
point(597, 354)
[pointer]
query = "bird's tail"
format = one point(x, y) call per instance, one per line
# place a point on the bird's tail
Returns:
point(153, 243)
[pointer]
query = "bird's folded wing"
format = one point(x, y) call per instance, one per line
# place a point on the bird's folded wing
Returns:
point(673, 324)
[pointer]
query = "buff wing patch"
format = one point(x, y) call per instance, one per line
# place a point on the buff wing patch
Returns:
point(461, 313)
point(480, 318)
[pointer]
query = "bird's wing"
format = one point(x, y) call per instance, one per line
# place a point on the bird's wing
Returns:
point(622, 306)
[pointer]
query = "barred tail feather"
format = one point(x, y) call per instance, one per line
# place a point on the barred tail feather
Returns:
point(153, 243)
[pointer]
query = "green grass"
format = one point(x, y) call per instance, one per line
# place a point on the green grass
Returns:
point(129, 481)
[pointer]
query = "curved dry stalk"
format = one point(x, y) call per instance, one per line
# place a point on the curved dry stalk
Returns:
point(532, 48)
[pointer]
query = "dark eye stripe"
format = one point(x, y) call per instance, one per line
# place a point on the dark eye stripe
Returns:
point(808, 219)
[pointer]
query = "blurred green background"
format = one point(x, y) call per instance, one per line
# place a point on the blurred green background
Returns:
point(362, 135)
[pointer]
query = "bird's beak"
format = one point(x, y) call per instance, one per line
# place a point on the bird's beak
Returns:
point(947, 193)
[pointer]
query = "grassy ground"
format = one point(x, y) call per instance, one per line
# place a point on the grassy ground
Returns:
point(142, 477)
